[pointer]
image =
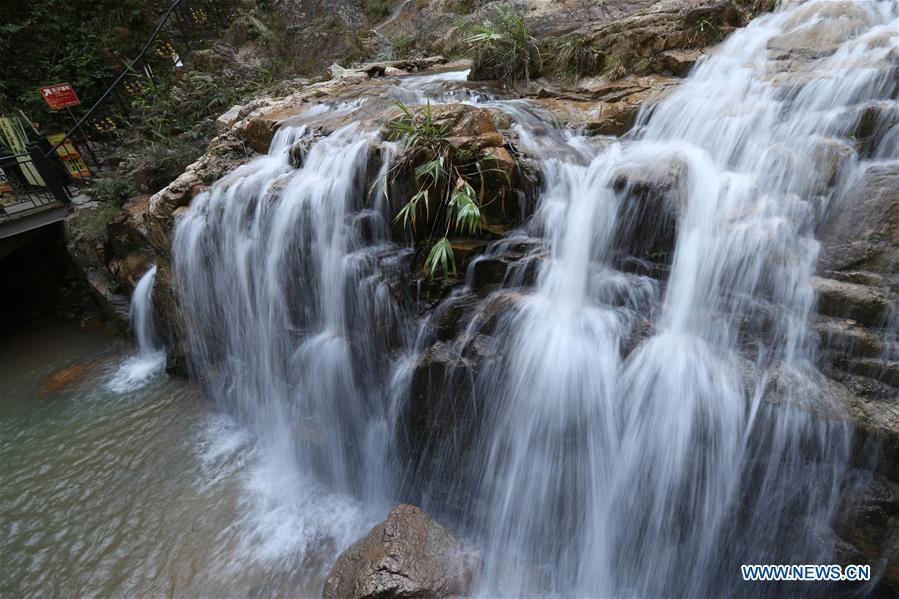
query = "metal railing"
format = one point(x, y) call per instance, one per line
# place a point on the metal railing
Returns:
point(32, 182)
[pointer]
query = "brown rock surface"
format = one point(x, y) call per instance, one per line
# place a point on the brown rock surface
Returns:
point(407, 555)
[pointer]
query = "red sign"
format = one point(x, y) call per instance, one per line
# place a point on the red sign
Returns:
point(61, 95)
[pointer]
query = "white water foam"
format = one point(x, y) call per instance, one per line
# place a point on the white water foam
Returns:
point(149, 362)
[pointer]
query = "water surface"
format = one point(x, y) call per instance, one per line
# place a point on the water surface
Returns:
point(146, 492)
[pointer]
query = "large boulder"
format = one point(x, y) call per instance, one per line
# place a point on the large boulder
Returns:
point(408, 555)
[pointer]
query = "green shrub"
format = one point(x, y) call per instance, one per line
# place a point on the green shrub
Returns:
point(445, 179)
point(111, 189)
point(501, 46)
point(50, 41)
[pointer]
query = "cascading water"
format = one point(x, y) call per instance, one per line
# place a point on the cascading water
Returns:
point(659, 473)
point(287, 315)
point(137, 370)
point(628, 444)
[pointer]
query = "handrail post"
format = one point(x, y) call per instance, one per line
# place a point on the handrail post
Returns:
point(53, 174)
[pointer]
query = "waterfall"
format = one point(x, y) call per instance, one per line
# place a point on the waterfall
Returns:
point(139, 369)
point(636, 435)
point(281, 271)
point(659, 472)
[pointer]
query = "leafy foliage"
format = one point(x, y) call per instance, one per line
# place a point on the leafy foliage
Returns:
point(51, 41)
point(441, 256)
point(445, 178)
point(112, 189)
point(502, 45)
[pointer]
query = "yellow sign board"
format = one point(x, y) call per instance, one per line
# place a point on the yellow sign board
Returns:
point(15, 138)
point(70, 157)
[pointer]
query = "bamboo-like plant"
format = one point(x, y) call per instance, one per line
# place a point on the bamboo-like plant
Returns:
point(443, 176)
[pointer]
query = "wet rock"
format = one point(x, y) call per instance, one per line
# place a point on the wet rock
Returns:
point(875, 420)
point(488, 272)
point(338, 72)
point(886, 371)
point(445, 321)
point(652, 201)
point(166, 306)
point(634, 43)
point(114, 304)
point(227, 120)
point(865, 304)
point(439, 402)
point(465, 250)
point(874, 120)
point(398, 68)
point(679, 62)
point(258, 133)
point(867, 521)
point(840, 20)
point(828, 157)
point(131, 268)
point(861, 229)
point(163, 204)
point(858, 351)
point(635, 30)
point(846, 336)
point(603, 107)
point(407, 555)
point(127, 231)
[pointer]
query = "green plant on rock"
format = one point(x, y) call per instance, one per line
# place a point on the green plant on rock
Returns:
point(642, 66)
point(502, 46)
point(397, 47)
point(445, 178)
point(112, 189)
point(615, 68)
point(573, 57)
point(706, 31)
point(377, 10)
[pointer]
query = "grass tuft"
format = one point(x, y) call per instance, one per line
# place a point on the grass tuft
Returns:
point(502, 47)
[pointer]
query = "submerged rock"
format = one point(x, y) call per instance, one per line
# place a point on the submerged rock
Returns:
point(69, 378)
point(407, 555)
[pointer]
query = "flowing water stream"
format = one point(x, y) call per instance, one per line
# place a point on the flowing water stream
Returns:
point(625, 442)
point(149, 360)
